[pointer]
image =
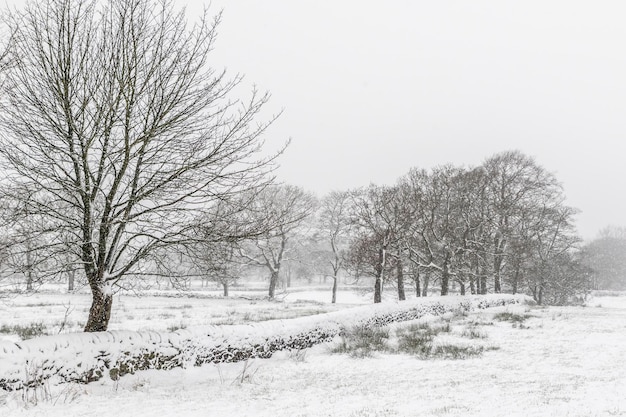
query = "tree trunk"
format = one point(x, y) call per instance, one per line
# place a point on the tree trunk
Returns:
point(445, 278)
point(225, 286)
point(335, 279)
point(70, 279)
point(482, 278)
point(472, 286)
point(498, 259)
point(496, 283)
point(462, 286)
point(29, 270)
point(273, 282)
point(400, 276)
point(418, 291)
point(426, 283)
point(515, 280)
point(380, 268)
point(29, 280)
point(100, 311)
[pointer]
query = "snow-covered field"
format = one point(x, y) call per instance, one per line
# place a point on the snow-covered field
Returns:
point(57, 312)
point(565, 361)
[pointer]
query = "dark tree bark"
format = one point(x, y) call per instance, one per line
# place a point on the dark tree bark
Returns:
point(515, 282)
point(71, 276)
point(400, 277)
point(380, 270)
point(483, 282)
point(273, 283)
point(418, 292)
point(497, 271)
point(100, 311)
point(445, 274)
point(426, 283)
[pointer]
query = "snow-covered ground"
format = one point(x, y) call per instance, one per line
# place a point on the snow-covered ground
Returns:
point(64, 313)
point(566, 361)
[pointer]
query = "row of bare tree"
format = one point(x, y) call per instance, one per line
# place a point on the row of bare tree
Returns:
point(502, 226)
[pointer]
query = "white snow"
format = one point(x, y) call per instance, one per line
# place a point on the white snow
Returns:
point(564, 361)
point(89, 356)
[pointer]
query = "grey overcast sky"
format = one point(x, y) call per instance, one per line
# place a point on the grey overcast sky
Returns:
point(371, 88)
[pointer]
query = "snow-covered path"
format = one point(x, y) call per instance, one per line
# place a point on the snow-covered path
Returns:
point(563, 362)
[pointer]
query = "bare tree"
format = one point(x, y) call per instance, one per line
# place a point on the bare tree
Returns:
point(114, 121)
point(218, 262)
point(334, 223)
point(552, 274)
point(606, 258)
point(381, 221)
point(285, 207)
point(516, 183)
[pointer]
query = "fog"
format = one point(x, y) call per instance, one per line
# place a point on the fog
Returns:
point(370, 89)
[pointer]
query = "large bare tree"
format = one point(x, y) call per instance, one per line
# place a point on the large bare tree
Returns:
point(114, 121)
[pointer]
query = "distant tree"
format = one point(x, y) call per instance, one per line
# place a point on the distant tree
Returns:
point(516, 183)
point(472, 228)
point(434, 237)
point(114, 122)
point(412, 192)
point(552, 244)
point(285, 207)
point(335, 225)
point(219, 263)
point(379, 220)
point(605, 256)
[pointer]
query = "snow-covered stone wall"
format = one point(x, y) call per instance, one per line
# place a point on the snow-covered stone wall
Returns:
point(86, 357)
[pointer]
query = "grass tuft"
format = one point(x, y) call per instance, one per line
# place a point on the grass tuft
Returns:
point(362, 341)
point(511, 317)
point(174, 327)
point(28, 331)
point(425, 340)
